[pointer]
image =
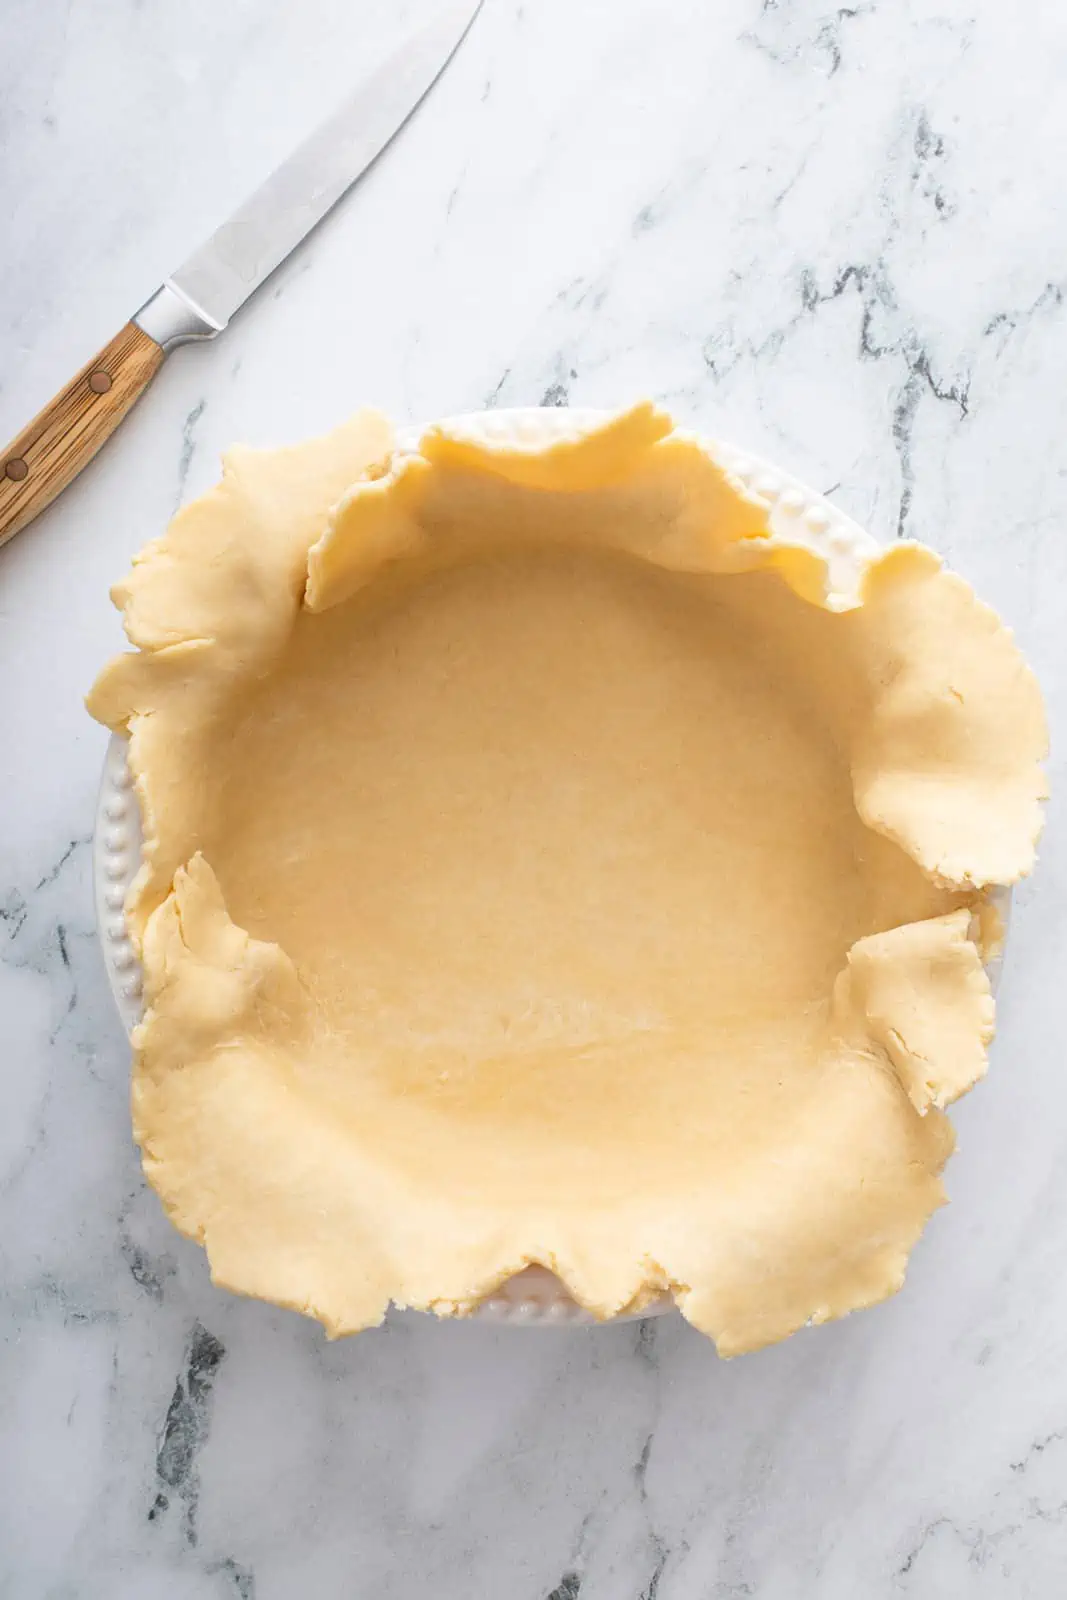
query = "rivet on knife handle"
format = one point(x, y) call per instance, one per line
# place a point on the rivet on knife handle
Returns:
point(65, 436)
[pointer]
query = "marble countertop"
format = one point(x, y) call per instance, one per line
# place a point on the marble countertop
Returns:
point(834, 233)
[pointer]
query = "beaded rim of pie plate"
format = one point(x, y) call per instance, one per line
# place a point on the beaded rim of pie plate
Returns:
point(534, 1297)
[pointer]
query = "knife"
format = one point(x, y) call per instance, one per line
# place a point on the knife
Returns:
point(198, 300)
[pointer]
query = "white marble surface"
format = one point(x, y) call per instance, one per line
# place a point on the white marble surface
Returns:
point(832, 232)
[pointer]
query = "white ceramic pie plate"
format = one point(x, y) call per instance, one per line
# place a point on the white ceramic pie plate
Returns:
point(535, 1297)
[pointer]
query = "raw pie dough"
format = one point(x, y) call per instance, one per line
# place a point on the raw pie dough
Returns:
point(545, 862)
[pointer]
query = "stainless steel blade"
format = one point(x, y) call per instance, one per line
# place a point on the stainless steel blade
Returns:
point(231, 265)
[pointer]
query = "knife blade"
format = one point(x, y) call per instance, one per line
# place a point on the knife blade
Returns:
point(219, 277)
point(198, 299)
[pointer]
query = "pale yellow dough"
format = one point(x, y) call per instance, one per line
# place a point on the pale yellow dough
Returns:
point(544, 863)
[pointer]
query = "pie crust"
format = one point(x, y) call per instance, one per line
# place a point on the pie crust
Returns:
point(548, 858)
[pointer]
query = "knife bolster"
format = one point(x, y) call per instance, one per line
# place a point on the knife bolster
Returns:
point(170, 318)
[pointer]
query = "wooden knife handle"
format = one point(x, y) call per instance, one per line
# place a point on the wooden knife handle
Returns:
point(65, 436)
